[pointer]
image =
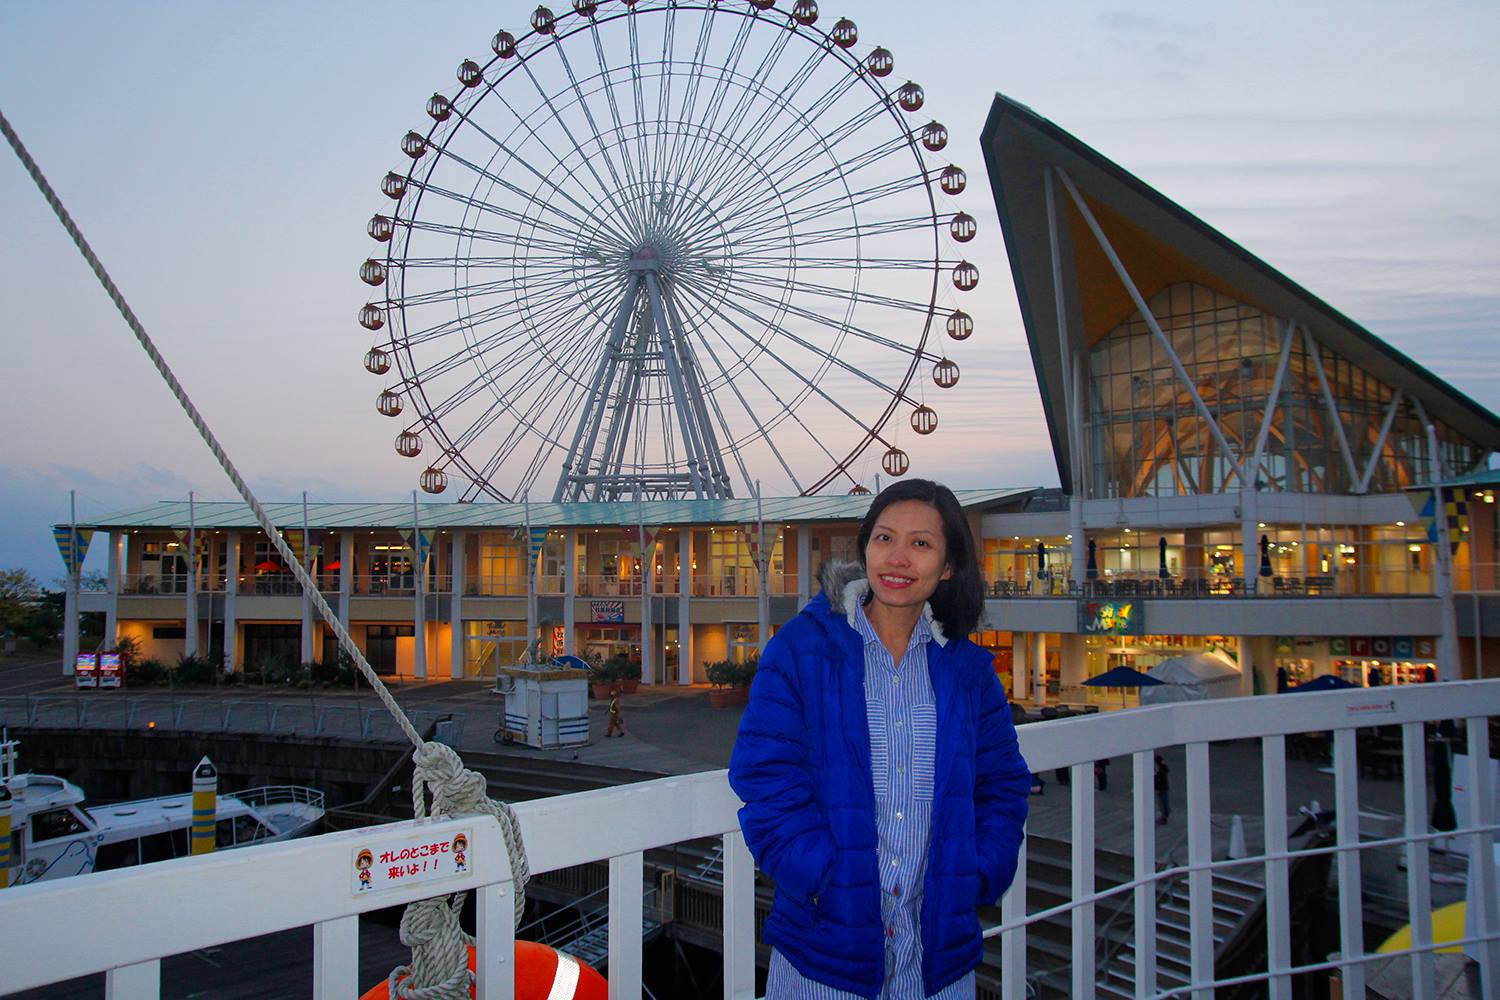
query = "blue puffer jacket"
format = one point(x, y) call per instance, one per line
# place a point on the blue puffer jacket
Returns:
point(801, 765)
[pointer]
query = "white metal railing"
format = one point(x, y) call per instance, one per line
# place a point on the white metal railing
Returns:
point(243, 893)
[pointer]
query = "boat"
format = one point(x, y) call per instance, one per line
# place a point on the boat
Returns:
point(55, 835)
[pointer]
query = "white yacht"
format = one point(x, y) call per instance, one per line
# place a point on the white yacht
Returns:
point(55, 835)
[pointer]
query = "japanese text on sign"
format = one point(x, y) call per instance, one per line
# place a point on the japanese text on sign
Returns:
point(411, 859)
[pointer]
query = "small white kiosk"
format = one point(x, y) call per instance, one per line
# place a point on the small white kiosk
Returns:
point(546, 705)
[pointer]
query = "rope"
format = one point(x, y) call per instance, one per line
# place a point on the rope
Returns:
point(455, 790)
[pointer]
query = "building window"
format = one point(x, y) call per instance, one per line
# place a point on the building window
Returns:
point(1148, 437)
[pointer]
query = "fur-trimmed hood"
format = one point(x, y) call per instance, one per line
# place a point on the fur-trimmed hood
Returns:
point(848, 586)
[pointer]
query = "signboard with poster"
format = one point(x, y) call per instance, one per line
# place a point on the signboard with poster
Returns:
point(86, 670)
point(607, 612)
point(1107, 617)
point(109, 670)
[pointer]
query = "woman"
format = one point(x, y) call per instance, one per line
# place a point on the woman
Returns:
point(883, 787)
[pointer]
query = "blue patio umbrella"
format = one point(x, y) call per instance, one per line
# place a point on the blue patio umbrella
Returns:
point(1123, 677)
point(1161, 552)
point(1327, 682)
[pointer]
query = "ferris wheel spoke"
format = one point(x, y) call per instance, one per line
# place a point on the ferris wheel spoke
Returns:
point(816, 351)
point(774, 108)
point(696, 68)
point(510, 215)
point(863, 230)
point(516, 156)
point(784, 207)
point(524, 399)
point(515, 239)
point(607, 74)
point(638, 92)
point(588, 114)
point(820, 319)
point(823, 145)
point(723, 82)
point(586, 160)
point(750, 410)
point(810, 385)
point(833, 292)
point(758, 81)
point(753, 263)
point(791, 217)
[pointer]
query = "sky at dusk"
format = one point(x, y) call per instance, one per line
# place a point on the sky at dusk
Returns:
point(223, 160)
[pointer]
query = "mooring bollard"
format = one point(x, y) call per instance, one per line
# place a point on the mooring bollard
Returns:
point(205, 806)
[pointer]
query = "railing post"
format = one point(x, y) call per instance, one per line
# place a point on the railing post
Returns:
point(1013, 941)
point(626, 873)
point(1083, 887)
point(1278, 870)
point(336, 958)
point(1418, 868)
point(739, 918)
point(134, 982)
point(1484, 920)
point(1143, 792)
point(1200, 880)
point(1351, 896)
point(495, 943)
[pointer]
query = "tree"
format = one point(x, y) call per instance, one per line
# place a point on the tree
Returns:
point(19, 593)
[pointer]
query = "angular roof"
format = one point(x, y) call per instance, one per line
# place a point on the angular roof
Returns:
point(1161, 243)
point(779, 510)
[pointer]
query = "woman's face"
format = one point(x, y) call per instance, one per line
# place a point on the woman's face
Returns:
point(907, 555)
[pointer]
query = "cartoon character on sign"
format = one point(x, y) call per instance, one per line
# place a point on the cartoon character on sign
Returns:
point(363, 862)
point(460, 845)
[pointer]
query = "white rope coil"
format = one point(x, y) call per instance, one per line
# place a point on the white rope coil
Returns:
point(455, 790)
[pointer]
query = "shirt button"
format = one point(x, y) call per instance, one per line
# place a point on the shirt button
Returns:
point(895, 862)
point(900, 770)
point(900, 815)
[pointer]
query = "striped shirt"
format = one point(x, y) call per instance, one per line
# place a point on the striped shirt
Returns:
point(902, 714)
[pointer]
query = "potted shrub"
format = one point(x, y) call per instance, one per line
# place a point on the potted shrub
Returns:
point(606, 677)
point(630, 676)
point(731, 683)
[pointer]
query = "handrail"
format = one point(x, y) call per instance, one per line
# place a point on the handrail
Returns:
point(224, 897)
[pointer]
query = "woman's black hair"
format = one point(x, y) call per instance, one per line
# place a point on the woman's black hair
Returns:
point(958, 601)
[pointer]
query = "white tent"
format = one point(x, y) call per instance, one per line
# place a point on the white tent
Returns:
point(1192, 677)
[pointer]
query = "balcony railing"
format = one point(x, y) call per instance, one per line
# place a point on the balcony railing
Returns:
point(260, 890)
point(1204, 587)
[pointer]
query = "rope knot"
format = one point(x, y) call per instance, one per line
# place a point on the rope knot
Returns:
point(439, 968)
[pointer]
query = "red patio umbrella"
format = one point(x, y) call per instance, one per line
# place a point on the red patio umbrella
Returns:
point(269, 566)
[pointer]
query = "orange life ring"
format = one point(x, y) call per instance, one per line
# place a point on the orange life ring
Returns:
point(541, 974)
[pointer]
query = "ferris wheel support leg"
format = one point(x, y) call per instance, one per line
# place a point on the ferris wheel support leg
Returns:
point(696, 396)
point(687, 405)
point(593, 413)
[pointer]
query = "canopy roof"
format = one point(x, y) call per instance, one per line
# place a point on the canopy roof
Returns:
point(1161, 244)
point(776, 510)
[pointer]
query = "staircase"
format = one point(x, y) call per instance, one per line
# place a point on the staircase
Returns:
point(1049, 959)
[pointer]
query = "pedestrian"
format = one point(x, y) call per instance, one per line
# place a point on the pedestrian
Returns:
point(1101, 774)
point(1038, 785)
point(616, 718)
point(884, 788)
point(1163, 790)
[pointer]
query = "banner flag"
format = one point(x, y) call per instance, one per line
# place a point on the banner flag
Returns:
point(1456, 510)
point(72, 545)
point(425, 538)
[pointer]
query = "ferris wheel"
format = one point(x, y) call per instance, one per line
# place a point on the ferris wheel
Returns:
point(666, 249)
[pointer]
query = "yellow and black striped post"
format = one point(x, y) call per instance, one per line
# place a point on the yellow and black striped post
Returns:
point(205, 806)
point(4, 836)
